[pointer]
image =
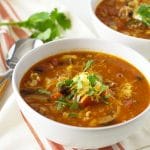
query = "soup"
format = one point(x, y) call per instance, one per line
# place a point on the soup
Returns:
point(86, 89)
point(131, 17)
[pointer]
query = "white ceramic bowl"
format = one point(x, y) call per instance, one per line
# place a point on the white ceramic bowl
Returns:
point(105, 32)
point(79, 137)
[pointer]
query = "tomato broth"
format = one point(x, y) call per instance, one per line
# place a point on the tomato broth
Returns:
point(86, 89)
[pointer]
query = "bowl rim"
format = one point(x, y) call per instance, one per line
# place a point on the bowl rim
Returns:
point(16, 90)
point(92, 13)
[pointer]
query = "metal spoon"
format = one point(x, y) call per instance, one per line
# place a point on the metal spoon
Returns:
point(15, 53)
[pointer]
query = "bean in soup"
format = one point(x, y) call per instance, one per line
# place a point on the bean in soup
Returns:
point(86, 89)
point(131, 17)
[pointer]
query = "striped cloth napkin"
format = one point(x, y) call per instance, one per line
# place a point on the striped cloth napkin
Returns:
point(13, 125)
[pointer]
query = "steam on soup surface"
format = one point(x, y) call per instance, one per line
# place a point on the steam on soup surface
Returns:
point(131, 17)
point(86, 89)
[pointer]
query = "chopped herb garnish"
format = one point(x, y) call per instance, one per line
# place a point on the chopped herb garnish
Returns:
point(93, 79)
point(73, 115)
point(64, 86)
point(143, 13)
point(91, 91)
point(103, 88)
point(88, 65)
point(81, 88)
point(62, 103)
point(43, 91)
point(70, 96)
point(68, 82)
point(74, 105)
point(44, 25)
point(107, 96)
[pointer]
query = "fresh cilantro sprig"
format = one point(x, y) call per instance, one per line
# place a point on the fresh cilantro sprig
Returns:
point(143, 13)
point(43, 25)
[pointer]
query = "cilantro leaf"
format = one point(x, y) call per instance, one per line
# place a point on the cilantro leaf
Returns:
point(74, 105)
point(44, 36)
point(44, 25)
point(103, 88)
point(143, 13)
point(43, 91)
point(92, 79)
point(68, 82)
point(88, 65)
point(62, 20)
point(38, 17)
point(73, 115)
point(62, 103)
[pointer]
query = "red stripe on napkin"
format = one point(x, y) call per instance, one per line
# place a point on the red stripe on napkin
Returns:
point(34, 133)
point(5, 15)
point(8, 39)
point(55, 146)
point(12, 9)
point(20, 33)
point(120, 146)
point(106, 148)
point(3, 12)
point(2, 58)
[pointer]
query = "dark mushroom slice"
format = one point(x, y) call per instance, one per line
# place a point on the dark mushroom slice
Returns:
point(28, 90)
point(37, 98)
point(110, 117)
